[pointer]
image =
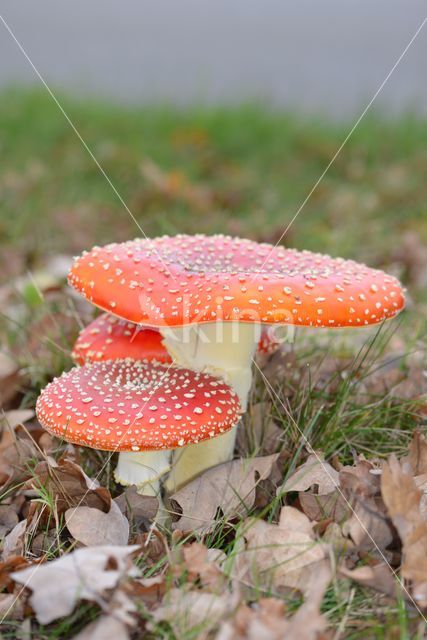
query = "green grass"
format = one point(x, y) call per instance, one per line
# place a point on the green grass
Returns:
point(256, 168)
point(259, 166)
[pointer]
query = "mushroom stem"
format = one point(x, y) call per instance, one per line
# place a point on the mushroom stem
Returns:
point(144, 469)
point(226, 350)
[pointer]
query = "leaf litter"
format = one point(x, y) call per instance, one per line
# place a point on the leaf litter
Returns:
point(226, 563)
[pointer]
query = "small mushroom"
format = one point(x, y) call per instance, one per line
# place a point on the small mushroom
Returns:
point(210, 296)
point(142, 409)
point(110, 338)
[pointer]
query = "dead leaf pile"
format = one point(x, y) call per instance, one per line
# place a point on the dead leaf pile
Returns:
point(363, 523)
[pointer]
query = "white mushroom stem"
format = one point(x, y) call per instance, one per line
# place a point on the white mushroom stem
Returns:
point(144, 469)
point(226, 350)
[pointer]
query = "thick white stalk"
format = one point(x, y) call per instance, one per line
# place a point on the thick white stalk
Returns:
point(226, 350)
point(143, 468)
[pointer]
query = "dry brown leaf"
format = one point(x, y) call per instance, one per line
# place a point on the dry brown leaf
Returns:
point(361, 480)
point(104, 628)
point(13, 544)
point(9, 566)
point(139, 510)
point(93, 527)
point(44, 542)
point(84, 574)
point(8, 519)
point(314, 472)
point(402, 499)
point(193, 611)
point(416, 460)
point(203, 564)
point(368, 526)
point(70, 486)
point(229, 487)
point(149, 590)
point(154, 547)
point(331, 505)
point(278, 556)
point(378, 577)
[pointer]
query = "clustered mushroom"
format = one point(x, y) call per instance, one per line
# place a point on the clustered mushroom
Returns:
point(210, 298)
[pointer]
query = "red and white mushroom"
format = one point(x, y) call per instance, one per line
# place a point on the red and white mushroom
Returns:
point(110, 338)
point(210, 296)
point(142, 409)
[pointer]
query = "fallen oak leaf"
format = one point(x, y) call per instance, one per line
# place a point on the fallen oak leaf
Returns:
point(321, 507)
point(378, 577)
point(148, 590)
point(8, 519)
point(9, 566)
point(276, 556)
point(13, 543)
point(416, 459)
point(204, 564)
point(84, 574)
point(368, 526)
point(93, 527)
point(139, 510)
point(229, 487)
point(314, 472)
point(402, 499)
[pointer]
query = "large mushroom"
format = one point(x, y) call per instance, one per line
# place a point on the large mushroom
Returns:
point(137, 406)
point(210, 296)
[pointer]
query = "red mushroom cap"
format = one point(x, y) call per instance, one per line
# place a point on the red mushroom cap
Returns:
point(110, 338)
point(192, 279)
point(126, 405)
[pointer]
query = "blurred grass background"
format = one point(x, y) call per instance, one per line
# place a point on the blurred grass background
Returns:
point(244, 171)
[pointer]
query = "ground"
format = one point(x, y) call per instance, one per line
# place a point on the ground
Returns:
point(356, 398)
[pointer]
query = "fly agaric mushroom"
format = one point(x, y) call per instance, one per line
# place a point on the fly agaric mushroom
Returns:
point(210, 296)
point(137, 406)
point(110, 338)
